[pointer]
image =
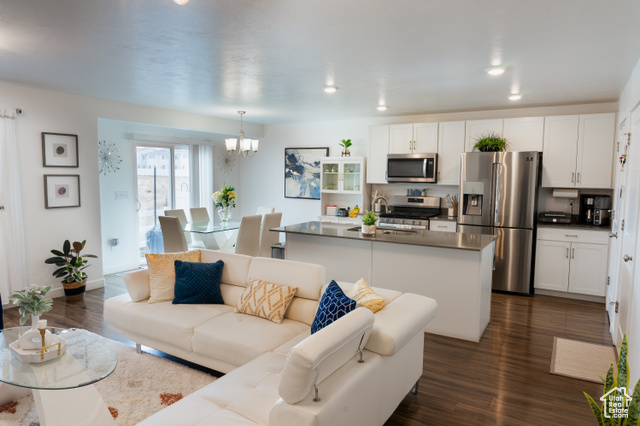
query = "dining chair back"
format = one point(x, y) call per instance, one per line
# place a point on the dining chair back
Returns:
point(248, 241)
point(180, 214)
point(199, 215)
point(172, 234)
point(268, 238)
point(265, 210)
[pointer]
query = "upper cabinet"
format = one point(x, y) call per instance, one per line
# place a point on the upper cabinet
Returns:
point(377, 155)
point(413, 138)
point(342, 175)
point(450, 146)
point(479, 128)
point(578, 151)
point(524, 134)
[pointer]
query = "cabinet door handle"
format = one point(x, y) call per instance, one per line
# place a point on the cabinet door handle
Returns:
point(573, 253)
point(573, 175)
point(567, 254)
point(578, 177)
point(570, 235)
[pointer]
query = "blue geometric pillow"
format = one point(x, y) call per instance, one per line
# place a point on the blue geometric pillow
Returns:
point(333, 304)
point(198, 283)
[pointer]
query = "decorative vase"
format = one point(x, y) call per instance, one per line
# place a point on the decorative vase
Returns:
point(368, 230)
point(225, 214)
point(74, 291)
point(32, 339)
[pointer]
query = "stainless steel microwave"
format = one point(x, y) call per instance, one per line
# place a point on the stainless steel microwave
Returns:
point(412, 167)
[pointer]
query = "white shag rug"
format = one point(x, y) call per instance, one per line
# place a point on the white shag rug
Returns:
point(141, 385)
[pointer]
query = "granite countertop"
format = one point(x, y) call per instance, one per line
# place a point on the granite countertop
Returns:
point(450, 240)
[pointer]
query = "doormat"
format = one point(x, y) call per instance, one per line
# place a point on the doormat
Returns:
point(581, 360)
point(141, 385)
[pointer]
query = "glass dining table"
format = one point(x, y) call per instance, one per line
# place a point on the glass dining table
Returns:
point(213, 235)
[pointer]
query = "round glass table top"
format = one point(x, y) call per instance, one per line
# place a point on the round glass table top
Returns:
point(86, 361)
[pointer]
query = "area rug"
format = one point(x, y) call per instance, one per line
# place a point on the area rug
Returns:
point(141, 385)
point(581, 360)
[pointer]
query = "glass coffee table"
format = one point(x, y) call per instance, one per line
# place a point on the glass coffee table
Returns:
point(62, 388)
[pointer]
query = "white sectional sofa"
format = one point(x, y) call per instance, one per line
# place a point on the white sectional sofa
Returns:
point(275, 371)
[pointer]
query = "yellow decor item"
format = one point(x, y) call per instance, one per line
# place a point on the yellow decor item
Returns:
point(354, 211)
point(365, 296)
point(162, 273)
point(266, 300)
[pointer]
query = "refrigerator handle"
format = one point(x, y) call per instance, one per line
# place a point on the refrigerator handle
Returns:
point(495, 192)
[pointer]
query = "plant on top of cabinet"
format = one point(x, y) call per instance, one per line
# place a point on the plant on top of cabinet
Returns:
point(490, 142)
point(345, 144)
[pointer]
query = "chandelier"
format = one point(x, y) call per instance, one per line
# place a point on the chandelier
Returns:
point(246, 147)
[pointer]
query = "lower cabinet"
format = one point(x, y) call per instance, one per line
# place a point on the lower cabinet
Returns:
point(572, 266)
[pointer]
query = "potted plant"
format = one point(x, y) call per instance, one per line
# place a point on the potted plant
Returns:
point(345, 144)
point(369, 220)
point(32, 303)
point(490, 142)
point(71, 265)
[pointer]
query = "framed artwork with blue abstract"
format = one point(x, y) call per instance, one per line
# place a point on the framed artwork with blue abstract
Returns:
point(302, 172)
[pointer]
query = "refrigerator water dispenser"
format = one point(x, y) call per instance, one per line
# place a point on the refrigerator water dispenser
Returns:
point(472, 194)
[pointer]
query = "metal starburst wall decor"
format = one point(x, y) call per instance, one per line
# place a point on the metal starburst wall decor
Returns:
point(109, 157)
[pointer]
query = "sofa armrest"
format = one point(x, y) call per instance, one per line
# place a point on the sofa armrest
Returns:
point(137, 283)
point(399, 321)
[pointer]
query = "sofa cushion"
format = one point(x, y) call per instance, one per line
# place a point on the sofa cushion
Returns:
point(172, 324)
point(236, 265)
point(308, 277)
point(198, 283)
point(162, 275)
point(137, 283)
point(318, 356)
point(238, 338)
point(365, 296)
point(333, 305)
point(266, 300)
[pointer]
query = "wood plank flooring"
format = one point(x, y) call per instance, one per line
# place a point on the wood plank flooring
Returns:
point(503, 380)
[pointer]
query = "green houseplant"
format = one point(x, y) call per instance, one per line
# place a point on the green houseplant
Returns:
point(369, 220)
point(71, 265)
point(31, 302)
point(490, 142)
point(345, 144)
point(619, 408)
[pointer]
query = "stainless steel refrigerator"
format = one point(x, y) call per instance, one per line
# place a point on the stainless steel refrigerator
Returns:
point(498, 195)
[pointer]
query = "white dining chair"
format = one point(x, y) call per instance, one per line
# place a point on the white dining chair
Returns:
point(248, 241)
point(172, 234)
point(264, 210)
point(181, 215)
point(199, 215)
point(268, 238)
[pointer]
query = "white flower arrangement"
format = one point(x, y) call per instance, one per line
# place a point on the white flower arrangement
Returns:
point(225, 197)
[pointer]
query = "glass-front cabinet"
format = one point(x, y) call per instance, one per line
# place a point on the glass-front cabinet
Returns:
point(342, 175)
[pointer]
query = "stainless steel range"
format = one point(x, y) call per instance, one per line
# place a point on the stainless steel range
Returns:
point(410, 212)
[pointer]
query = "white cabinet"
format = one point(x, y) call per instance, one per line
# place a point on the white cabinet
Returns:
point(478, 128)
point(413, 138)
point(450, 146)
point(443, 225)
point(573, 261)
point(341, 175)
point(578, 151)
point(524, 134)
point(377, 155)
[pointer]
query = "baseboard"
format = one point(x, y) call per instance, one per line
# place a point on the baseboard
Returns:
point(120, 268)
point(91, 285)
point(575, 296)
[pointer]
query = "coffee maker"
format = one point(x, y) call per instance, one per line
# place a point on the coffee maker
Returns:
point(587, 208)
point(601, 208)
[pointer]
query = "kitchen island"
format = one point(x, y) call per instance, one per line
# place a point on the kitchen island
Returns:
point(453, 268)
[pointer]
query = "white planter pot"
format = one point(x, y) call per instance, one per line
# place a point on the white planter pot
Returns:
point(368, 229)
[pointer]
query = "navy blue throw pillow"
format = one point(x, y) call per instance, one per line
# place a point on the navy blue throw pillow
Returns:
point(333, 304)
point(198, 283)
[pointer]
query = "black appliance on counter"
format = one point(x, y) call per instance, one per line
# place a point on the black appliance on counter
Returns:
point(594, 209)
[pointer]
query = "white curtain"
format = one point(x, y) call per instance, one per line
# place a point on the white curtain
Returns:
point(206, 177)
point(13, 270)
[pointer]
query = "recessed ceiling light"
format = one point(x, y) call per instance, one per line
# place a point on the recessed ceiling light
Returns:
point(330, 89)
point(382, 107)
point(495, 70)
point(515, 97)
point(181, 2)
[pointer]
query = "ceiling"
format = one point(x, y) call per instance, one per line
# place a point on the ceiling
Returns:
point(272, 58)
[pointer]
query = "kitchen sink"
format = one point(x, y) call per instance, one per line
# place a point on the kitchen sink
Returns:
point(388, 231)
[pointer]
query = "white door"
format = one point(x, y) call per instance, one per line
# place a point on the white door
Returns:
point(595, 151)
point(377, 158)
point(479, 128)
point(425, 136)
point(588, 268)
point(560, 149)
point(400, 138)
point(450, 146)
point(524, 134)
point(552, 265)
point(629, 234)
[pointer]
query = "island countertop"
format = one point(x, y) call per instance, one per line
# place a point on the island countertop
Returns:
point(451, 240)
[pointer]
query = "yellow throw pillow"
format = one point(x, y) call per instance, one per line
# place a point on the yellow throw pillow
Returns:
point(266, 300)
point(364, 296)
point(162, 273)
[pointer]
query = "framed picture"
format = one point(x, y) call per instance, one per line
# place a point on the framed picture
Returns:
point(302, 172)
point(61, 191)
point(59, 150)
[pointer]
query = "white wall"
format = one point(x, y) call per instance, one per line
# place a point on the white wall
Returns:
point(47, 111)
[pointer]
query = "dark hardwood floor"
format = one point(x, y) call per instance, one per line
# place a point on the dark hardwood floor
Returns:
point(503, 380)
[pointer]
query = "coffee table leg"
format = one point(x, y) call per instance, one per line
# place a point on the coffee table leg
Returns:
point(80, 406)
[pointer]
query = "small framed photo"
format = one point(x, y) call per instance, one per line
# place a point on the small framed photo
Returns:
point(61, 191)
point(59, 150)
